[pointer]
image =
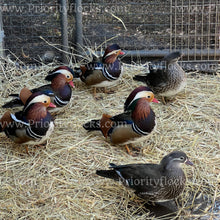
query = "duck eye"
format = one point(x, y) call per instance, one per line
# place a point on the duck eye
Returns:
point(68, 76)
point(182, 158)
point(148, 97)
point(45, 101)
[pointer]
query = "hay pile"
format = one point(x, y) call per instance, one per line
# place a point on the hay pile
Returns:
point(59, 181)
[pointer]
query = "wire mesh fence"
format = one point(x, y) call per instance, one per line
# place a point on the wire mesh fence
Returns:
point(147, 28)
point(136, 25)
point(195, 25)
point(25, 23)
point(192, 26)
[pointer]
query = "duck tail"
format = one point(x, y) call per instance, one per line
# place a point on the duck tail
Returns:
point(77, 72)
point(142, 78)
point(111, 174)
point(14, 95)
point(13, 103)
point(93, 125)
point(103, 125)
point(20, 99)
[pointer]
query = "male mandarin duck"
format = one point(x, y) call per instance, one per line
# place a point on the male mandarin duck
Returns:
point(59, 90)
point(138, 119)
point(166, 81)
point(152, 182)
point(34, 124)
point(104, 72)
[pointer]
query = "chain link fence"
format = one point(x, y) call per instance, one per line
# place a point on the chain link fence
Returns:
point(33, 30)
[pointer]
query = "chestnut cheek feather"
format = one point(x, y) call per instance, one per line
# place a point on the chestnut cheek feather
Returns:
point(142, 110)
point(110, 59)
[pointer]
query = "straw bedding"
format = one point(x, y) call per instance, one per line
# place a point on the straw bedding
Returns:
point(59, 180)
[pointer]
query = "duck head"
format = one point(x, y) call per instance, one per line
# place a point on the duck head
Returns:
point(175, 159)
point(111, 53)
point(38, 101)
point(62, 79)
point(138, 93)
point(173, 57)
point(64, 73)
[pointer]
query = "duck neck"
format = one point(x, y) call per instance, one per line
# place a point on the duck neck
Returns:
point(174, 170)
point(140, 109)
point(58, 82)
point(35, 112)
point(109, 59)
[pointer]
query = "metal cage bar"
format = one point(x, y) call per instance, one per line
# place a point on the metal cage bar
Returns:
point(64, 30)
point(79, 26)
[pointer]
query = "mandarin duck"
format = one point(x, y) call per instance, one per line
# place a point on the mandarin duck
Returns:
point(103, 72)
point(59, 90)
point(152, 182)
point(138, 119)
point(166, 81)
point(34, 124)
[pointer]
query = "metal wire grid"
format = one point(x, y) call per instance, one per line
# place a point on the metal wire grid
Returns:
point(192, 26)
point(143, 25)
point(25, 22)
point(196, 27)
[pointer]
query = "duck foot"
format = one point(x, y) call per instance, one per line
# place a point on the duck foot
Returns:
point(135, 148)
point(27, 151)
point(161, 209)
point(133, 153)
point(98, 98)
point(163, 100)
point(95, 95)
point(35, 146)
point(127, 149)
point(94, 92)
point(108, 91)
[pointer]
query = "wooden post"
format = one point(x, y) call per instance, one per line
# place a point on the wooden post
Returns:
point(1, 36)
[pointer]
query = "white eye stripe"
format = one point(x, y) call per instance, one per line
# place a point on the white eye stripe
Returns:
point(63, 71)
point(141, 95)
point(66, 73)
point(112, 52)
point(39, 98)
point(179, 159)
